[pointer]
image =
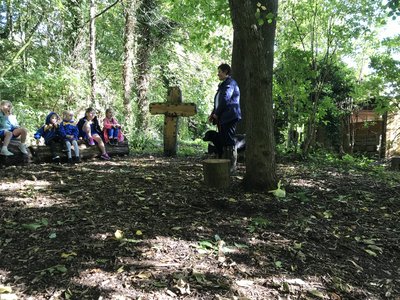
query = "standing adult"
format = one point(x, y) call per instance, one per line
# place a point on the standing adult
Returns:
point(226, 113)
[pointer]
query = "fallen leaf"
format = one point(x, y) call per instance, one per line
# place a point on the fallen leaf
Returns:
point(119, 234)
point(244, 283)
point(5, 289)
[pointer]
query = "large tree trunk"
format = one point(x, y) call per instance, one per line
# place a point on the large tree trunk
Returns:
point(259, 56)
point(238, 58)
point(92, 53)
point(129, 57)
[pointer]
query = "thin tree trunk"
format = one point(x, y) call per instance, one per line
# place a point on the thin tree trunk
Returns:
point(382, 152)
point(92, 53)
point(258, 66)
point(9, 23)
point(129, 57)
point(145, 48)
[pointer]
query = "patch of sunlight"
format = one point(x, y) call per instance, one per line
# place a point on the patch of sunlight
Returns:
point(24, 185)
point(310, 184)
point(38, 200)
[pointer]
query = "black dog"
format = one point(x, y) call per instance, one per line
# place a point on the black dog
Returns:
point(216, 146)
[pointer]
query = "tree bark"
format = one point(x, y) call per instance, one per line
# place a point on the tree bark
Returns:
point(9, 22)
point(129, 56)
point(238, 58)
point(145, 48)
point(258, 66)
point(92, 53)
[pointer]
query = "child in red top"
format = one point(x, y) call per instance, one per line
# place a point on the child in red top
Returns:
point(112, 129)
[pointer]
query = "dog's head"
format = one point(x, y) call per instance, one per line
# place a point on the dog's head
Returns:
point(210, 136)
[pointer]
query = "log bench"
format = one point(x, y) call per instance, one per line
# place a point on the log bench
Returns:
point(18, 158)
point(41, 153)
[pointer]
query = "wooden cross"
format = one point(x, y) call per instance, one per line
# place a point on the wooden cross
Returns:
point(172, 110)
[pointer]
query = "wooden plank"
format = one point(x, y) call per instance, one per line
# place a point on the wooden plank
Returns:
point(183, 110)
point(41, 154)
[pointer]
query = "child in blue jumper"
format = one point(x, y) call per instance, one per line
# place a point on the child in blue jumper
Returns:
point(69, 131)
point(50, 131)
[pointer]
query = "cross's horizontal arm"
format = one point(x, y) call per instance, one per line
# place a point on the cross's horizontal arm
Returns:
point(183, 110)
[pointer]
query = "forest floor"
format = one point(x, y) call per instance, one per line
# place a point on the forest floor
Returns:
point(147, 228)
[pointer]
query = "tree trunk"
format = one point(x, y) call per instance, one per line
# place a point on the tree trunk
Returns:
point(92, 53)
point(145, 48)
point(238, 58)
point(258, 67)
point(129, 57)
point(9, 22)
point(382, 152)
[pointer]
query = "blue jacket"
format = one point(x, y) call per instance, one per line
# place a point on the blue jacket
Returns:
point(48, 134)
point(69, 128)
point(227, 101)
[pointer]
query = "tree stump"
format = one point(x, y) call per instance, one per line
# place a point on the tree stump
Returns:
point(395, 163)
point(18, 158)
point(41, 154)
point(216, 172)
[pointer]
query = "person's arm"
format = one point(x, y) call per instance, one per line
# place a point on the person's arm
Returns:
point(107, 124)
point(39, 133)
point(116, 123)
point(225, 95)
point(62, 130)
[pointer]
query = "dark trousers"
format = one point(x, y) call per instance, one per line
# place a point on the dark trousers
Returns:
point(227, 133)
point(53, 144)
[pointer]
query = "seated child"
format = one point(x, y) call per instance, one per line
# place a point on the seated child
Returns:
point(89, 130)
point(9, 128)
point(69, 132)
point(112, 129)
point(50, 131)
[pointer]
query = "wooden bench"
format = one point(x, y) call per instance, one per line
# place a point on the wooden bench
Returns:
point(41, 153)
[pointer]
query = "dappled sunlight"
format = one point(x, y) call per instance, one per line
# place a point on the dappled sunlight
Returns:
point(32, 193)
point(22, 185)
point(305, 183)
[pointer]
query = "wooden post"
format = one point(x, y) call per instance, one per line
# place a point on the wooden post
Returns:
point(172, 110)
point(216, 172)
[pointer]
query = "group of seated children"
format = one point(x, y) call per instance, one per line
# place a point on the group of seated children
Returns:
point(65, 131)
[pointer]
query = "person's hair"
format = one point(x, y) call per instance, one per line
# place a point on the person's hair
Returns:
point(89, 110)
point(67, 112)
point(109, 110)
point(225, 68)
point(4, 102)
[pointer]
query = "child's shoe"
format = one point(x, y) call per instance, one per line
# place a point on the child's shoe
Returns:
point(22, 148)
point(70, 161)
point(4, 151)
point(115, 142)
point(91, 142)
point(77, 159)
point(105, 156)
